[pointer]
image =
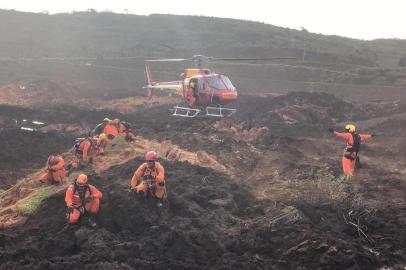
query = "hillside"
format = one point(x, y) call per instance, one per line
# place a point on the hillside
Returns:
point(79, 47)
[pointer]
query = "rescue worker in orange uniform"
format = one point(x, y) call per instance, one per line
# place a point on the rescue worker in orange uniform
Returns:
point(56, 171)
point(191, 94)
point(126, 131)
point(350, 156)
point(84, 151)
point(100, 144)
point(82, 198)
point(100, 127)
point(111, 129)
point(149, 178)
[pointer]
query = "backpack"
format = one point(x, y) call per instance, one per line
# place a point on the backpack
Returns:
point(126, 124)
point(81, 194)
point(78, 141)
point(356, 145)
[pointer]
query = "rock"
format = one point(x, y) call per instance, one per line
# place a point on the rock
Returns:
point(332, 250)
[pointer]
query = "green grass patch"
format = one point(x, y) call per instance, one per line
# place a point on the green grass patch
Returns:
point(31, 203)
point(118, 145)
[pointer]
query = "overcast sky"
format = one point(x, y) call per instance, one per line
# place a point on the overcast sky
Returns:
point(363, 19)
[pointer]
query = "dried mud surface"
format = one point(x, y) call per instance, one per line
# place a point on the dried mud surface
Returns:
point(283, 208)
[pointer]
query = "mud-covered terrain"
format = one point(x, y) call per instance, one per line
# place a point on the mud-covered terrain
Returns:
point(280, 202)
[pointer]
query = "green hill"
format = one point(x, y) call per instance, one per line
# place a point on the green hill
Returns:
point(98, 36)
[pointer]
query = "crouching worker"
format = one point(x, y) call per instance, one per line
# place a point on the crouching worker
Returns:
point(111, 130)
point(148, 179)
point(55, 172)
point(84, 149)
point(82, 198)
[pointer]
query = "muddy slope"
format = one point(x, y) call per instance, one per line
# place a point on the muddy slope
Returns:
point(209, 222)
point(24, 151)
point(273, 215)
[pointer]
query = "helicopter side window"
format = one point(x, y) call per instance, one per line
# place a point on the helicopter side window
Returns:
point(215, 83)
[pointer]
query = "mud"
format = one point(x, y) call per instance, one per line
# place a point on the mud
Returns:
point(208, 222)
point(285, 207)
point(23, 151)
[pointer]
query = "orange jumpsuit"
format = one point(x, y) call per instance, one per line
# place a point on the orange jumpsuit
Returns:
point(111, 131)
point(56, 171)
point(127, 133)
point(349, 163)
point(86, 148)
point(72, 198)
point(152, 180)
point(100, 146)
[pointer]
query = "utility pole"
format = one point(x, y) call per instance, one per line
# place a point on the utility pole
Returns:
point(304, 43)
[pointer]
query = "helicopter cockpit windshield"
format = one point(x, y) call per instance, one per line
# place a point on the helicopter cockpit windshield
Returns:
point(220, 82)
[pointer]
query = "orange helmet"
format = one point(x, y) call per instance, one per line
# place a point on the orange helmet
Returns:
point(81, 180)
point(151, 156)
point(116, 121)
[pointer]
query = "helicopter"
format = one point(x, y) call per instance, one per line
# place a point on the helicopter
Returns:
point(203, 92)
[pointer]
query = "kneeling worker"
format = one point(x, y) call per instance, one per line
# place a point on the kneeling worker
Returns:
point(55, 172)
point(82, 198)
point(149, 178)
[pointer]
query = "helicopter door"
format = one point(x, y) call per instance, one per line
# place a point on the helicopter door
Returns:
point(192, 93)
point(202, 91)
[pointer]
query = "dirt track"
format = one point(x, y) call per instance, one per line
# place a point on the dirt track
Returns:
point(285, 207)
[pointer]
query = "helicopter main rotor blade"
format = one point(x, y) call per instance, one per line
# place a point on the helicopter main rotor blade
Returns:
point(167, 60)
point(252, 59)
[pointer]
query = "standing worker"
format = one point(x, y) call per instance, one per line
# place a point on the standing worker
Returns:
point(82, 198)
point(350, 156)
point(148, 179)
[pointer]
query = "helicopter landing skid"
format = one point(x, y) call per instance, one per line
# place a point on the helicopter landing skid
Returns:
point(210, 111)
point(219, 111)
point(185, 111)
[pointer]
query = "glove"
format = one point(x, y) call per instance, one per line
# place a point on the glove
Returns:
point(161, 184)
point(69, 209)
point(373, 135)
point(89, 198)
point(331, 130)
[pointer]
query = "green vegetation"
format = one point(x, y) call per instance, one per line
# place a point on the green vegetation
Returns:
point(117, 146)
point(30, 204)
